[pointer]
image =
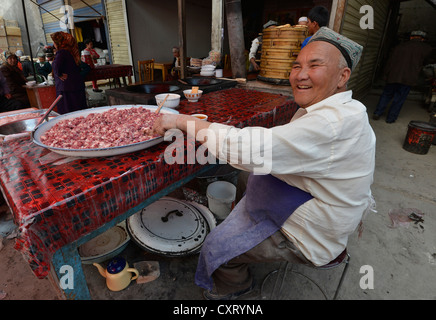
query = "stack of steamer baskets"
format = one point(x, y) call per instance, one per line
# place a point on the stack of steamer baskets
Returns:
point(280, 47)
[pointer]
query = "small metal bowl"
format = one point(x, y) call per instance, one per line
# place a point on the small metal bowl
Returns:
point(19, 126)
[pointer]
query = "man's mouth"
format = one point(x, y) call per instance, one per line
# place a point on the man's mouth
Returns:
point(301, 87)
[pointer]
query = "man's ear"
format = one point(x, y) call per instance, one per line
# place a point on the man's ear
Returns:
point(344, 77)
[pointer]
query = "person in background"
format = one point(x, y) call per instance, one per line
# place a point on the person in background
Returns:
point(15, 79)
point(303, 21)
point(49, 53)
point(317, 189)
point(43, 67)
point(256, 48)
point(66, 71)
point(93, 56)
point(19, 54)
point(7, 103)
point(27, 66)
point(173, 74)
point(401, 73)
point(318, 17)
point(84, 69)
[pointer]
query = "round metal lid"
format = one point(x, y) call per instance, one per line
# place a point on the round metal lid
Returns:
point(171, 227)
point(106, 245)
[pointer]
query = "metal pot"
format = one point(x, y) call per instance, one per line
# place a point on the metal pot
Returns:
point(153, 88)
point(200, 81)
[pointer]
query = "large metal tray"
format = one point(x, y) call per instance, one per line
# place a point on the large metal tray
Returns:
point(100, 152)
point(197, 81)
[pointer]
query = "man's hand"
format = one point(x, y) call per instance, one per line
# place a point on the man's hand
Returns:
point(255, 65)
point(165, 122)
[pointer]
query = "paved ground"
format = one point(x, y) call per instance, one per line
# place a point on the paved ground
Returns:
point(402, 260)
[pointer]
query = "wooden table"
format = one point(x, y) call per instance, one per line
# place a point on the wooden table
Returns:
point(163, 66)
point(60, 202)
point(111, 71)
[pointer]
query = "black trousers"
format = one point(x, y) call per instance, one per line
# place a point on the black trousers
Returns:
point(9, 104)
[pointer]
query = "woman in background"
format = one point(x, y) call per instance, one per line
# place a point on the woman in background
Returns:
point(66, 71)
point(15, 79)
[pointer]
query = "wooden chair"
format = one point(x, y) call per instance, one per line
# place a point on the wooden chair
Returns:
point(146, 70)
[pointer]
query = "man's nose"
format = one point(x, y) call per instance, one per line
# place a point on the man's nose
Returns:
point(300, 74)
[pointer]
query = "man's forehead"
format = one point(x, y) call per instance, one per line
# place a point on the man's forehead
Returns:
point(318, 51)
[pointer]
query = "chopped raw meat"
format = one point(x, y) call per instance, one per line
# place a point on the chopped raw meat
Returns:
point(112, 128)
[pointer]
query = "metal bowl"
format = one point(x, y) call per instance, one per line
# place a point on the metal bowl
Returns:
point(19, 126)
point(153, 88)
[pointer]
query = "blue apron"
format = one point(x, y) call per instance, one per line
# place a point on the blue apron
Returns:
point(267, 203)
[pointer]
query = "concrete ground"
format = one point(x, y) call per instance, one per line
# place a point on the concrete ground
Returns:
point(386, 263)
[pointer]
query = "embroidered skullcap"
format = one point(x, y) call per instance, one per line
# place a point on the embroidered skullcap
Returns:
point(269, 24)
point(351, 50)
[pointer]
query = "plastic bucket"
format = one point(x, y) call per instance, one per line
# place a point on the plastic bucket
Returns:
point(219, 173)
point(221, 198)
point(419, 137)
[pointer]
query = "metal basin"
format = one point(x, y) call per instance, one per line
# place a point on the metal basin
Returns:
point(153, 88)
point(19, 126)
point(201, 81)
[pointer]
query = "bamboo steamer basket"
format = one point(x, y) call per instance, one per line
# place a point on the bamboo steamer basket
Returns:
point(280, 48)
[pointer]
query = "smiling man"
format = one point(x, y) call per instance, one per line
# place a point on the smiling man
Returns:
point(318, 190)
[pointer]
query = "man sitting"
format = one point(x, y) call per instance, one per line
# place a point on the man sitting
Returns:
point(15, 79)
point(318, 189)
point(7, 103)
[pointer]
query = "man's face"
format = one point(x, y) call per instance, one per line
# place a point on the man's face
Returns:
point(176, 54)
point(316, 74)
point(41, 59)
point(312, 26)
point(12, 60)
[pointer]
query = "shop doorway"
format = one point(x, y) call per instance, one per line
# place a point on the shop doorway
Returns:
point(94, 30)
